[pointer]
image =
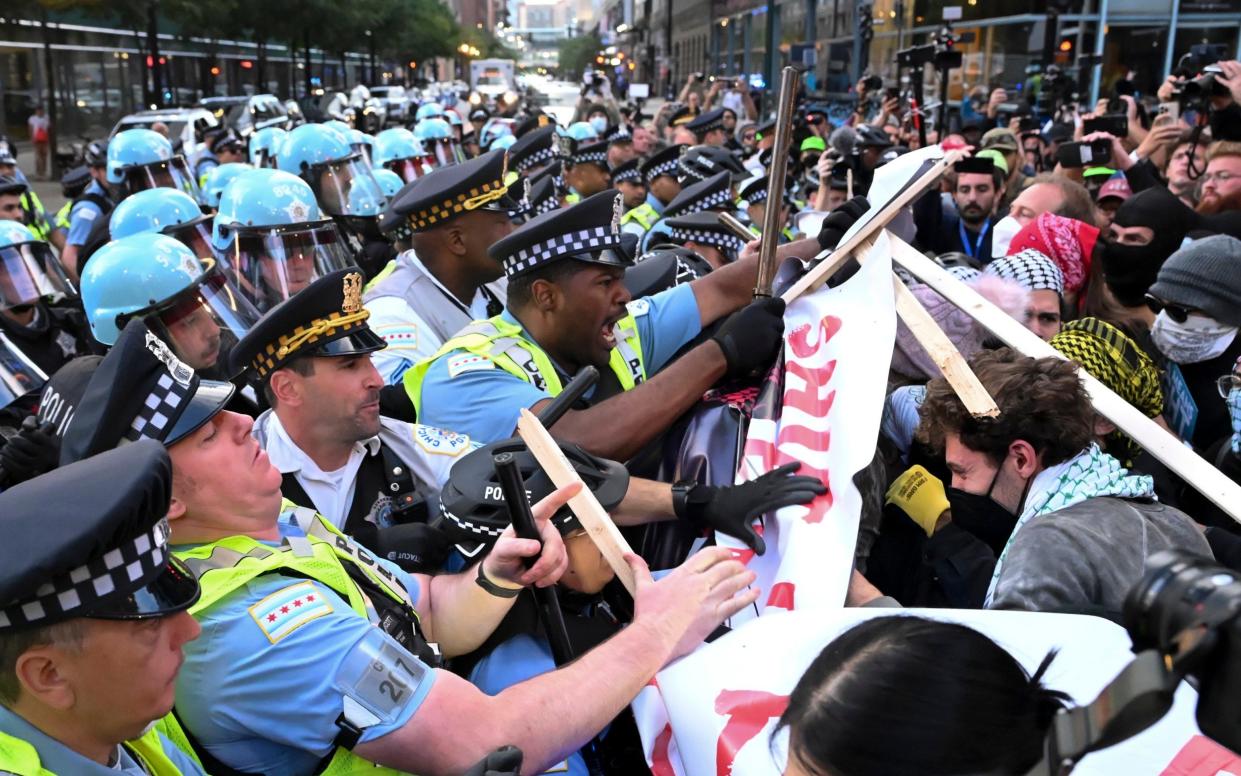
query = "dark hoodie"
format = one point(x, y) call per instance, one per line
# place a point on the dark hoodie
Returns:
point(1130, 270)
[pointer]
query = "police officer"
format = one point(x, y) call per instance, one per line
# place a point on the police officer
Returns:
point(660, 175)
point(754, 194)
point(263, 145)
point(317, 657)
point(222, 146)
point(89, 209)
point(431, 292)
point(397, 149)
point(534, 150)
point(368, 475)
point(628, 181)
point(709, 128)
point(141, 159)
point(567, 308)
point(39, 312)
point(92, 645)
point(703, 234)
point(33, 215)
point(186, 299)
point(217, 179)
point(586, 171)
point(711, 194)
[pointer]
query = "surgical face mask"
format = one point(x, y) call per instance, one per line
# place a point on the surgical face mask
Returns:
point(1002, 235)
point(1197, 339)
point(599, 123)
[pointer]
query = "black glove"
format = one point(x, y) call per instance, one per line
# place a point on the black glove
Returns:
point(415, 547)
point(840, 220)
point(505, 761)
point(752, 336)
point(732, 510)
point(32, 451)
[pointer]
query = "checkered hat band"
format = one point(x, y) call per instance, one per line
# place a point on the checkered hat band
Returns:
point(717, 199)
point(594, 157)
point(1032, 269)
point(627, 175)
point(268, 358)
point(546, 206)
point(478, 529)
point(118, 569)
point(538, 157)
point(585, 241)
point(756, 195)
point(442, 211)
point(665, 168)
point(158, 410)
point(725, 242)
point(708, 128)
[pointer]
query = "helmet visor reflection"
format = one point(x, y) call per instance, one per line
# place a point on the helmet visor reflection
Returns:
point(28, 273)
point(347, 188)
point(270, 265)
point(172, 174)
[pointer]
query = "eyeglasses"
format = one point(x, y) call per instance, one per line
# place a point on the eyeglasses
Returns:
point(1225, 384)
point(1176, 312)
point(1222, 176)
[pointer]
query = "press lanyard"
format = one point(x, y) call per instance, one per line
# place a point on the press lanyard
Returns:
point(965, 243)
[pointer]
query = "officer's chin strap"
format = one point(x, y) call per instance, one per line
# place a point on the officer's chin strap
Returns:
point(1137, 698)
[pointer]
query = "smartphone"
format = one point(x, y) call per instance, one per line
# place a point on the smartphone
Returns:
point(1172, 109)
point(1075, 154)
point(1027, 124)
point(1115, 124)
point(892, 93)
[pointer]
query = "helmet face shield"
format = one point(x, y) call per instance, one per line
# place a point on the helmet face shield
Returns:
point(195, 236)
point(172, 174)
point(446, 150)
point(346, 188)
point(271, 265)
point(411, 170)
point(203, 324)
point(28, 273)
point(18, 374)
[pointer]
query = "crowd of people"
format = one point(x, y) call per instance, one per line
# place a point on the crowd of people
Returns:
point(251, 403)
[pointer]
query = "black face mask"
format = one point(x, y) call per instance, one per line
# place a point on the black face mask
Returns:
point(982, 516)
point(1130, 270)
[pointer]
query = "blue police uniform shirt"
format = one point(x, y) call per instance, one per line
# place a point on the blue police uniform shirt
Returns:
point(265, 698)
point(83, 215)
point(656, 234)
point(655, 204)
point(486, 402)
point(58, 758)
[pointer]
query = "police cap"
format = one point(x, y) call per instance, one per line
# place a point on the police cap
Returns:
point(588, 231)
point(326, 318)
point(534, 148)
point(706, 122)
point(715, 193)
point(662, 163)
point(705, 229)
point(627, 172)
point(447, 192)
point(593, 153)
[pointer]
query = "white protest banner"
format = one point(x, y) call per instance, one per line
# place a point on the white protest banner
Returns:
point(838, 343)
point(724, 700)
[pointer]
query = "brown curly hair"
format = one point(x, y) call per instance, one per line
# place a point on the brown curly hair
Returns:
point(1041, 400)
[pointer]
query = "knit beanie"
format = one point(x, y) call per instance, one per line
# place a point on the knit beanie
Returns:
point(1204, 275)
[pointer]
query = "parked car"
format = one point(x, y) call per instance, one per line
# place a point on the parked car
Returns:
point(185, 125)
point(248, 114)
point(395, 102)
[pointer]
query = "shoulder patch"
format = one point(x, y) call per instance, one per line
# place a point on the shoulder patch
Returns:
point(399, 335)
point(440, 442)
point(639, 307)
point(289, 608)
point(87, 213)
point(467, 362)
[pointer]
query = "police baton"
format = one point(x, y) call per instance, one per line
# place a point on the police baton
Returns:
point(775, 182)
point(514, 489)
point(586, 377)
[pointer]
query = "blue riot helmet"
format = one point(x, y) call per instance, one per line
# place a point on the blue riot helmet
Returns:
point(503, 141)
point(581, 130)
point(218, 178)
point(493, 130)
point(398, 150)
point(324, 160)
point(29, 272)
point(448, 98)
point(273, 240)
point(363, 144)
point(429, 110)
point(438, 137)
point(166, 211)
point(389, 182)
point(339, 126)
point(263, 145)
point(186, 300)
point(454, 120)
point(140, 159)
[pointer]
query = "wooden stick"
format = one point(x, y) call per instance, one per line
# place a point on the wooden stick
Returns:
point(848, 183)
point(775, 182)
point(827, 267)
point(1204, 477)
point(945, 354)
point(590, 513)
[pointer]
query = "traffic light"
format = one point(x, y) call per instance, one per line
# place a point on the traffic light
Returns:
point(865, 22)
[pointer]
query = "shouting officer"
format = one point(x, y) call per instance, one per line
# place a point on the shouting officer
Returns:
point(316, 656)
point(368, 475)
point(428, 294)
point(91, 645)
point(568, 308)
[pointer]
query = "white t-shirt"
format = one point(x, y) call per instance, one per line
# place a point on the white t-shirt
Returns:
point(36, 123)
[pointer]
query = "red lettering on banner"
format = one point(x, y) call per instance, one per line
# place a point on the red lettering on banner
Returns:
point(748, 712)
point(782, 595)
point(1202, 757)
point(660, 764)
point(809, 401)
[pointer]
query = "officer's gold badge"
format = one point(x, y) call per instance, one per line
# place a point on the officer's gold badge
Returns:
point(352, 291)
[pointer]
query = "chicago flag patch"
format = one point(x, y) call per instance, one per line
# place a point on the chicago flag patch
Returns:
point(289, 608)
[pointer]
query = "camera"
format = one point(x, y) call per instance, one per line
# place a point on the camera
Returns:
point(1189, 609)
point(873, 83)
point(700, 76)
point(1115, 124)
point(1095, 153)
